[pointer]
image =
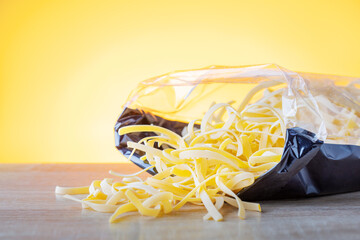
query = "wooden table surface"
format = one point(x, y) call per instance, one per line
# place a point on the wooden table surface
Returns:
point(29, 209)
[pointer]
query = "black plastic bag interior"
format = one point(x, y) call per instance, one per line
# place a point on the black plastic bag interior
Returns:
point(308, 167)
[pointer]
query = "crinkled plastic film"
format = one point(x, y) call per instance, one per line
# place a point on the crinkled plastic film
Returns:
point(326, 105)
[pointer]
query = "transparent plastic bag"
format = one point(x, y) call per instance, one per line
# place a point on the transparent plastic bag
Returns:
point(315, 108)
point(322, 104)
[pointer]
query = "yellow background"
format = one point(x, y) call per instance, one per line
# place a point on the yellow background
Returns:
point(66, 67)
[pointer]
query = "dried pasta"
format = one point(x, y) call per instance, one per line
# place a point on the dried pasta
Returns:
point(214, 158)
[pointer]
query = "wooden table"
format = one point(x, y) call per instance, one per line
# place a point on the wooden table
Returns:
point(29, 209)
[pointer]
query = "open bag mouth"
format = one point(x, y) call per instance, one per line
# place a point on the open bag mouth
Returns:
point(308, 167)
point(313, 107)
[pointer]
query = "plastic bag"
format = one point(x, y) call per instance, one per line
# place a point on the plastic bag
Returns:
point(316, 109)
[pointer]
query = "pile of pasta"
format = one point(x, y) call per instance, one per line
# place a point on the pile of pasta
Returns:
point(213, 159)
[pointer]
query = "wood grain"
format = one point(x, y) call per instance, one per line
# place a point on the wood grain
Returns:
point(29, 209)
